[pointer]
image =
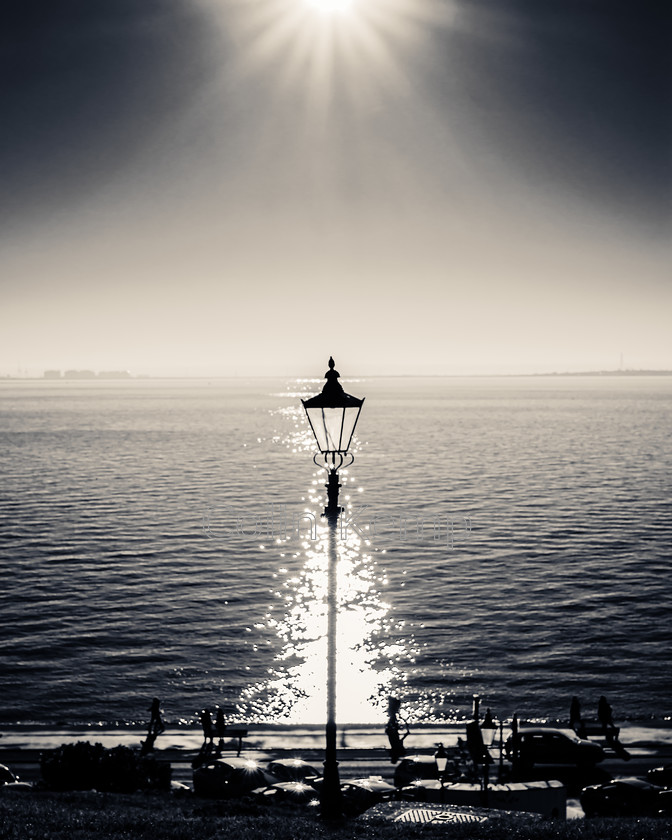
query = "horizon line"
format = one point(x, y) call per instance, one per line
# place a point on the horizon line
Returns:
point(237, 376)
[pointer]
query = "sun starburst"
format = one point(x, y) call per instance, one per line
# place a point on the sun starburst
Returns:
point(320, 47)
point(330, 7)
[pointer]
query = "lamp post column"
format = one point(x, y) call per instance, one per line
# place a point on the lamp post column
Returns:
point(331, 800)
point(332, 415)
point(500, 774)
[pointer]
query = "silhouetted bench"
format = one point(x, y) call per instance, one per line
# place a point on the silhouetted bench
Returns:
point(586, 728)
point(234, 731)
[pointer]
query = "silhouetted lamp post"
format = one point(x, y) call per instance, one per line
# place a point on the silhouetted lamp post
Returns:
point(332, 415)
point(500, 773)
point(441, 759)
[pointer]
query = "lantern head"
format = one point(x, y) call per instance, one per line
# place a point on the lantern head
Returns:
point(333, 415)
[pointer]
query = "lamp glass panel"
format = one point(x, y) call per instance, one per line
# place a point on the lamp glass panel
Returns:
point(327, 426)
point(333, 427)
point(349, 421)
point(333, 424)
point(319, 430)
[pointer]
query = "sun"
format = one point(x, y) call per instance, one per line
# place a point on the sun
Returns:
point(330, 7)
point(332, 52)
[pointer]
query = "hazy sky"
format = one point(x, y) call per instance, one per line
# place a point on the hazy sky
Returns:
point(414, 186)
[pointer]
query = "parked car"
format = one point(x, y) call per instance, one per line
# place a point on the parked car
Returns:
point(423, 790)
point(225, 778)
point(415, 767)
point(6, 775)
point(630, 797)
point(360, 794)
point(298, 793)
point(292, 770)
point(665, 802)
point(9, 780)
point(551, 746)
point(660, 776)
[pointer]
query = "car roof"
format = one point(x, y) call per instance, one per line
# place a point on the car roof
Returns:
point(291, 762)
point(633, 781)
point(238, 763)
point(300, 786)
point(372, 783)
point(546, 730)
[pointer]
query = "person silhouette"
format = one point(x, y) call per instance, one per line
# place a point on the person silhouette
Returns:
point(575, 714)
point(220, 728)
point(605, 716)
point(397, 748)
point(512, 743)
point(208, 730)
point(156, 726)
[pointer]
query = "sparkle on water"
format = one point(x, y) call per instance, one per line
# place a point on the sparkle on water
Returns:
point(367, 666)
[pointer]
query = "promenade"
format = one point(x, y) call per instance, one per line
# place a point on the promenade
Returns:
point(362, 749)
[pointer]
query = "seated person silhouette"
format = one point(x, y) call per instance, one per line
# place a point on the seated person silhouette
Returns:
point(606, 717)
point(220, 728)
point(208, 739)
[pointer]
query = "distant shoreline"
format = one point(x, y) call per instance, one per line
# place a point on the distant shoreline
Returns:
point(605, 373)
point(168, 377)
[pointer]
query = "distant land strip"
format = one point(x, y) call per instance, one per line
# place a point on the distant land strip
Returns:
point(56, 375)
point(606, 373)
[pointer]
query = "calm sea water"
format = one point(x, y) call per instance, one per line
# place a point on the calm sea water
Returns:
point(509, 537)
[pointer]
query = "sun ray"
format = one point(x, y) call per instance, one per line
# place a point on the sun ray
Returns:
point(327, 48)
point(330, 7)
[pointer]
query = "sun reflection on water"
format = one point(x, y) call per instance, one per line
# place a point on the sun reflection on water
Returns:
point(368, 663)
point(366, 670)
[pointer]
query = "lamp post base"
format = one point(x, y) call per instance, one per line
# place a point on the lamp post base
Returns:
point(331, 799)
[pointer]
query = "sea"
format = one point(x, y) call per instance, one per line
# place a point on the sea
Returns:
point(507, 537)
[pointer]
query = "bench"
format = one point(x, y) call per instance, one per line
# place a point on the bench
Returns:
point(234, 731)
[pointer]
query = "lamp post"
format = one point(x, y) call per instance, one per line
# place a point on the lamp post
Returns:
point(488, 731)
point(441, 759)
point(500, 774)
point(332, 415)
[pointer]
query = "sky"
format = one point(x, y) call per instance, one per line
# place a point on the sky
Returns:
point(245, 187)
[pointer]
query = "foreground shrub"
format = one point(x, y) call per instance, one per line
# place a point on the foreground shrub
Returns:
point(65, 816)
point(85, 766)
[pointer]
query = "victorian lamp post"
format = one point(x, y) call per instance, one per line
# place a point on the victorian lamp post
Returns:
point(332, 415)
point(441, 759)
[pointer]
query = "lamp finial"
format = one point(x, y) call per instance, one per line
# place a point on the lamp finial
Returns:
point(331, 376)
